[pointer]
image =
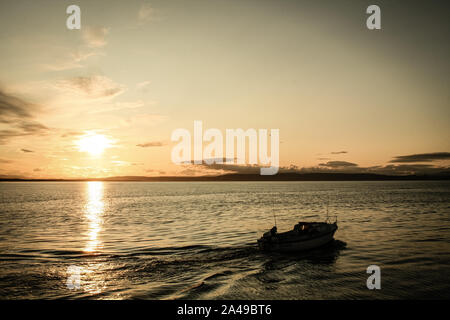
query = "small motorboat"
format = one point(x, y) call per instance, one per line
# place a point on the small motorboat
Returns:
point(304, 236)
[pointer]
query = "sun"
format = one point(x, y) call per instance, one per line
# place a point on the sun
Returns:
point(94, 144)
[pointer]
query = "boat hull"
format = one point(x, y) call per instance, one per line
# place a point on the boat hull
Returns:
point(297, 245)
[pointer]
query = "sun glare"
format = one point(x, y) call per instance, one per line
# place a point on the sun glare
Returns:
point(94, 144)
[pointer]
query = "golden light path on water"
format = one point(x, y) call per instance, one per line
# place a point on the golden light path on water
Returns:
point(93, 281)
point(93, 213)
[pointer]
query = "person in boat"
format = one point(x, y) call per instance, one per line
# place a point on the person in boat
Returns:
point(273, 231)
point(301, 227)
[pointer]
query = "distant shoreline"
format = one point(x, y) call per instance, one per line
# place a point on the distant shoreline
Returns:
point(254, 177)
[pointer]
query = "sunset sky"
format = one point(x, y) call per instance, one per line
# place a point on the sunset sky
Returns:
point(104, 100)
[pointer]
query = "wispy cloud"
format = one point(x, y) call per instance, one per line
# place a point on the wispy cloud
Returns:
point(71, 60)
point(220, 168)
point(11, 106)
point(26, 150)
point(422, 157)
point(143, 85)
point(405, 169)
point(329, 167)
point(4, 161)
point(95, 36)
point(156, 172)
point(146, 13)
point(338, 164)
point(152, 144)
point(17, 116)
point(72, 134)
point(119, 106)
point(93, 87)
point(338, 152)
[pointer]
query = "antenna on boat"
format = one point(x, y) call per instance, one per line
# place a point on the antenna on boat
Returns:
point(328, 200)
point(274, 215)
point(275, 218)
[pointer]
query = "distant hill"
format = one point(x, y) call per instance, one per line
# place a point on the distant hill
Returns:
point(322, 176)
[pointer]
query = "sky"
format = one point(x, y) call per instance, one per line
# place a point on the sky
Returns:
point(104, 100)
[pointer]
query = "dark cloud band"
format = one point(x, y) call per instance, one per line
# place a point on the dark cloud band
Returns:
point(422, 157)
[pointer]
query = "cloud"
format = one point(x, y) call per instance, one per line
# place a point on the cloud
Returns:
point(422, 157)
point(17, 115)
point(119, 106)
point(95, 36)
point(338, 164)
point(159, 172)
point(146, 13)
point(338, 152)
point(93, 87)
point(152, 144)
point(5, 161)
point(71, 60)
point(31, 127)
point(329, 167)
point(11, 106)
point(37, 170)
point(143, 85)
point(72, 134)
point(10, 176)
point(255, 169)
point(26, 150)
point(220, 168)
point(417, 169)
point(120, 163)
point(79, 56)
point(236, 168)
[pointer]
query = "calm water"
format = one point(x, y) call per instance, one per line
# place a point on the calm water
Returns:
point(198, 240)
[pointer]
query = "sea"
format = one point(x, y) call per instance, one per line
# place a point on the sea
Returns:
point(198, 240)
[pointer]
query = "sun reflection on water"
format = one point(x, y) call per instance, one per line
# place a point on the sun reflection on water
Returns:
point(93, 213)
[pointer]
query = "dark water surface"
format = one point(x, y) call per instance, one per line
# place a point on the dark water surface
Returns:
point(197, 240)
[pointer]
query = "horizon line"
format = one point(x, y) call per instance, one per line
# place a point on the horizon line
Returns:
point(291, 176)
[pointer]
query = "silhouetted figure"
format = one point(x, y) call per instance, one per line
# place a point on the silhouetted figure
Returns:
point(273, 231)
